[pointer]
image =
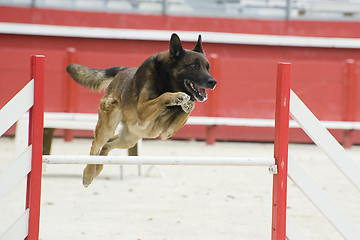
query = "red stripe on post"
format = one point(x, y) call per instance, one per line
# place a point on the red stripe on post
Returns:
point(36, 124)
point(281, 139)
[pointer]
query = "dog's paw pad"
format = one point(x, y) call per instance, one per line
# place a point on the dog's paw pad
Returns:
point(187, 107)
point(181, 98)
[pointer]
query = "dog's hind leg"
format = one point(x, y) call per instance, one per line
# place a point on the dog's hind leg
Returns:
point(124, 140)
point(109, 118)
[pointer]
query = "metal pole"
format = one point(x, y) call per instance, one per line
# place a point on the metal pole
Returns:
point(157, 160)
point(33, 193)
point(281, 140)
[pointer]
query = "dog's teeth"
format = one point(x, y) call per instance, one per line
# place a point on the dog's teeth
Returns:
point(192, 85)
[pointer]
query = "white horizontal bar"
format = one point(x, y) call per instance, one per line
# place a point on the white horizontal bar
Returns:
point(342, 125)
point(324, 140)
point(80, 121)
point(255, 122)
point(225, 121)
point(164, 35)
point(71, 116)
point(67, 124)
point(18, 169)
point(19, 229)
point(87, 121)
point(154, 160)
point(16, 107)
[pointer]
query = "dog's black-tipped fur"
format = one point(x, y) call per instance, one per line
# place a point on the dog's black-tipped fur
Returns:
point(92, 78)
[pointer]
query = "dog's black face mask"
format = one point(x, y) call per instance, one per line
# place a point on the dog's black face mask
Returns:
point(191, 70)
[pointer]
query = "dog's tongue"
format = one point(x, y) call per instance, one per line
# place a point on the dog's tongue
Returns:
point(200, 90)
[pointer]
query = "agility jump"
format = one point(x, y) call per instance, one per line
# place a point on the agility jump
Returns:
point(28, 223)
point(29, 163)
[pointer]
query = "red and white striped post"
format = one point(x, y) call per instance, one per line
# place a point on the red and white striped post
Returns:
point(281, 139)
point(36, 123)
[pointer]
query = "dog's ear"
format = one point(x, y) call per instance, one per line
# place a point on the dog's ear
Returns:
point(198, 48)
point(176, 50)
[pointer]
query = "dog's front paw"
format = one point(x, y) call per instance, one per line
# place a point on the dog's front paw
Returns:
point(181, 98)
point(188, 106)
point(176, 99)
point(184, 101)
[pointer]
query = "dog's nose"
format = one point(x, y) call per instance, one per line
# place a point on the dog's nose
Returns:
point(212, 82)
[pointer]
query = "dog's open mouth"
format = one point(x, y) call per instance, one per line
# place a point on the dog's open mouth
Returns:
point(198, 92)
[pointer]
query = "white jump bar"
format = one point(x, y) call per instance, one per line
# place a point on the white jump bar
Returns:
point(154, 160)
point(87, 121)
point(254, 122)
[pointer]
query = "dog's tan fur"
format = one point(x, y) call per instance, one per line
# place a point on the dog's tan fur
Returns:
point(148, 101)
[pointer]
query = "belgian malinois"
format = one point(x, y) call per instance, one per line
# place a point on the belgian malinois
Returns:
point(153, 99)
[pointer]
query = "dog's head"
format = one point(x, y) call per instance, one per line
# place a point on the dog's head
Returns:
point(190, 69)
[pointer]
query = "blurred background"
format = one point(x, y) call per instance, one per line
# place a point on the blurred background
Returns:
point(244, 40)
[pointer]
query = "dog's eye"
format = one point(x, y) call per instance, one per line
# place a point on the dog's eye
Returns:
point(208, 68)
point(193, 66)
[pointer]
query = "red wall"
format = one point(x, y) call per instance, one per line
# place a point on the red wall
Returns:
point(246, 86)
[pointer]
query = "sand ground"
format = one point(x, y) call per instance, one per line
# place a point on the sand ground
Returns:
point(189, 202)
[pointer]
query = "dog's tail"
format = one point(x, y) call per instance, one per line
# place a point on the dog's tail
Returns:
point(94, 79)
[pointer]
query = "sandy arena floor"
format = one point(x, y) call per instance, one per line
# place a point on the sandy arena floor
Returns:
point(190, 202)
